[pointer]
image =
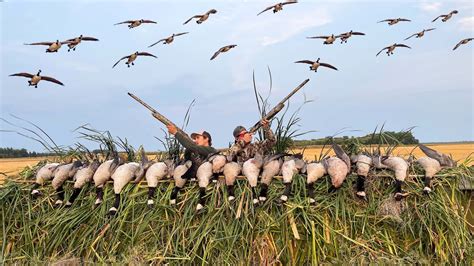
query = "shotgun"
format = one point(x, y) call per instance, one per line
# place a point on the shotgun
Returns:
point(277, 108)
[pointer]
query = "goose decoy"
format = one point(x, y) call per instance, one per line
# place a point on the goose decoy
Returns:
point(201, 18)
point(345, 36)
point(278, 7)
point(132, 58)
point(223, 50)
point(391, 48)
point(35, 79)
point(72, 43)
point(169, 39)
point(327, 39)
point(465, 41)
point(316, 64)
point(393, 21)
point(53, 46)
point(135, 23)
point(446, 17)
point(420, 34)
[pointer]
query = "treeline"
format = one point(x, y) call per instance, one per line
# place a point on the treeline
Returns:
point(388, 137)
point(20, 153)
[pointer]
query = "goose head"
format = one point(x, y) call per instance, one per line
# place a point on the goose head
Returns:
point(39, 71)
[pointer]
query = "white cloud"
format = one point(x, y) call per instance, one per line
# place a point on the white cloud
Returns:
point(466, 24)
point(430, 6)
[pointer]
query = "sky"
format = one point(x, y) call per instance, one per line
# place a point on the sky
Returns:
point(429, 86)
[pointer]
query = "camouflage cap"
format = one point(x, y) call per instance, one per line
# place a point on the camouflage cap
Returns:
point(238, 130)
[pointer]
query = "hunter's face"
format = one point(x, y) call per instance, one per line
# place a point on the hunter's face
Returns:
point(247, 137)
point(201, 140)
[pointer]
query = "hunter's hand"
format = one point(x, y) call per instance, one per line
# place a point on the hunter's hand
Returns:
point(264, 122)
point(172, 129)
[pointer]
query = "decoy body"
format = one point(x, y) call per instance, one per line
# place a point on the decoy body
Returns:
point(345, 36)
point(278, 7)
point(135, 23)
point(420, 34)
point(169, 39)
point(327, 39)
point(53, 47)
point(391, 48)
point(446, 17)
point(223, 50)
point(72, 43)
point(131, 58)
point(35, 79)
point(316, 64)
point(465, 41)
point(393, 21)
point(201, 18)
point(45, 173)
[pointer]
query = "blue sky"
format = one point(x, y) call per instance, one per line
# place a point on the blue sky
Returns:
point(429, 86)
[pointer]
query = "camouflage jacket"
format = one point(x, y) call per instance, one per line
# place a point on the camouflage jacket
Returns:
point(195, 153)
point(241, 152)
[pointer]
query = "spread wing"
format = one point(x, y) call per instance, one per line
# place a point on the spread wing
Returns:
point(411, 36)
point(440, 16)
point(305, 62)
point(443, 159)
point(89, 39)
point(327, 65)
point(125, 57)
point(266, 9)
point(357, 33)
point(162, 40)
point(216, 54)
point(22, 74)
point(385, 20)
point(146, 54)
point(404, 19)
point(197, 16)
point(430, 29)
point(181, 33)
point(318, 37)
point(125, 22)
point(402, 45)
point(40, 43)
point(50, 79)
point(289, 2)
point(148, 21)
point(381, 50)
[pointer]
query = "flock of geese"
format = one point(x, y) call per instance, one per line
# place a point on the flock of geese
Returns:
point(53, 47)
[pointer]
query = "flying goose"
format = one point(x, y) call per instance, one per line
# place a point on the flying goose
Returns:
point(327, 39)
point(420, 34)
point(316, 64)
point(391, 48)
point(72, 43)
point(201, 18)
point(169, 39)
point(345, 36)
point(446, 17)
point(53, 46)
point(35, 79)
point(465, 41)
point(393, 21)
point(135, 23)
point(223, 50)
point(132, 58)
point(278, 7)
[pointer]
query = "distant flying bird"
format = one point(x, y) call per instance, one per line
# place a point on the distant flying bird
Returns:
point(446, 17)
point(132, 57)
point(316, 64)
point(391, 48)
point(135, 23)
point(345, 36)
point(53, 46)
point(420, 34)
point(393, 21)
point(169, 39)
point(327, 39)
point(72, 43)
point(35, 79)
point(465, 41)
point(201, 18)
point(223, 50)
point(278, 7)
